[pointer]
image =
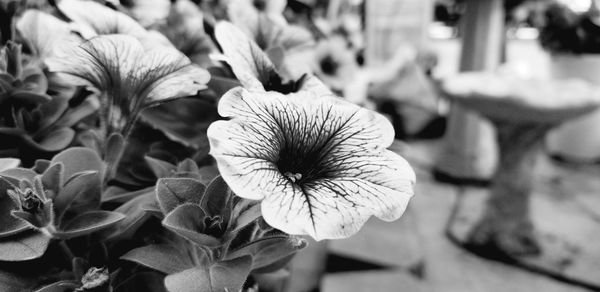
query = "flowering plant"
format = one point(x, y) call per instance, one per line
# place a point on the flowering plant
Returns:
point(563, 30)
point(175, 151)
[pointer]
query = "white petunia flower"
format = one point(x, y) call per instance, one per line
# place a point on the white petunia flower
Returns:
point(319, 164)
point(334, 63)
point(130, 76)
point(96, 19)
point(99, 18)
point(44, 33)
point(250, 9)
point(254, 68)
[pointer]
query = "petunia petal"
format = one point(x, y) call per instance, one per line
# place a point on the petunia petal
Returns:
point(101, 19)
point(122, 66)
point(44, 32)
point(248, 62)
point(338, 207)
point(180, 79)
point(356, 177)
point(99, 61)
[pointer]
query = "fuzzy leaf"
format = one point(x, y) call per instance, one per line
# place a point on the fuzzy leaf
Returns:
point(79, 159)
point(62, 286)
point(247, 216)
point(172, 192)
point(80, 194)
point(187, 165)
point(136, 212)
point(13, 282)
point(269, 250)
point(41, 165)
point(52, 180)
point(23, 246)
point(9, 225)
point(222, 276)
point(216, 199)
point(57, 140)
point(115, 194)
point(88, 223)
point(160, 168)
point(8, 163)
point(17, 174)
point(79, 266)
point(184, 120)
point(188, 221)
point(220, 85)
point(115, 145)
point(161, 257)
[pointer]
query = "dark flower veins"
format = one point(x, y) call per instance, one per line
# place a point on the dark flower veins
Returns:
point(319, 164)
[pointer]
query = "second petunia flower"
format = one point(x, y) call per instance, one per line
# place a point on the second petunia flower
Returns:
point(319, 164)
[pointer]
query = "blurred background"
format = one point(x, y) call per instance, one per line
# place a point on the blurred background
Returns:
point(405, 51)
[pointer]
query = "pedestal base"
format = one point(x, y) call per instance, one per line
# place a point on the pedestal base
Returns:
point(567, 236)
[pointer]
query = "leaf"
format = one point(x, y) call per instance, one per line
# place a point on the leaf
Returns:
point(19, 173)
point(187, 165)
point(220, 84)
point(23, 246)
point(79, 159)
point(79, 266)
point(57, 140)
point(13, 282)
point(160, 168)
point(136, 212)
point(188, 221)
point(269, 250)
point(184, 120)
point(8, 163)
point(52, 180)
point(208, 173)
point(275, 266)
point(216, 199)
point(115, 146)
point(41, 165)
point(172, 192)
point(161, 257)
point(80, 194)
point(88, 223)
point(147, 281)
point(9, 225)
point(248, 216)
point(115, 194)
point(222, 276)
point(190, 280)
point(62, 286)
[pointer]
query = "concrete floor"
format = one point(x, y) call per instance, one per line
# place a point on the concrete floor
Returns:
point(418, 255)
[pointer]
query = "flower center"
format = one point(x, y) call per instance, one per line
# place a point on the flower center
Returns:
point(329, 65)
point(261, 5)
point(294, 177)
point(29, 201)
point(300, 163)
point(94, 278)
point(214, 226)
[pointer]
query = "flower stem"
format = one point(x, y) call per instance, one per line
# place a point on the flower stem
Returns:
point(66, 251)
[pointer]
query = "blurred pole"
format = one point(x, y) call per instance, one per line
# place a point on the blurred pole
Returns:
point(470, 150)
point(391, 25)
